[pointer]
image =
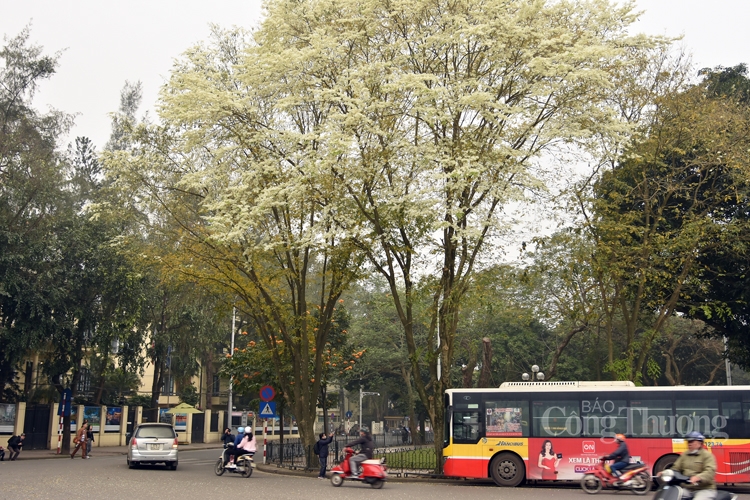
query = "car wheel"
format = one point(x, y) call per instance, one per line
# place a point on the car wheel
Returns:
point(507, 469)
point(172, 466)
point(337, 480)
point(219, 468)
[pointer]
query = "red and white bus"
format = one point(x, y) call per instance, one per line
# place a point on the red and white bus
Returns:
point(557, 430)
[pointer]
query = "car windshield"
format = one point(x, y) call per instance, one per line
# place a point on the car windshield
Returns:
point(155, 432)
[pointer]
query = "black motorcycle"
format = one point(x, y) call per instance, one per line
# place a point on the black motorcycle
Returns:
point(671, 488)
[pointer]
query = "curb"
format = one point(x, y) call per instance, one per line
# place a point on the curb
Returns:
point(275, 469)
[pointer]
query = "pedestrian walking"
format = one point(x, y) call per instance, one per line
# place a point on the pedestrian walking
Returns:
point(15, 444)
point(89, 439)
point(80, 441)
point(2, 454)
point(321, 449)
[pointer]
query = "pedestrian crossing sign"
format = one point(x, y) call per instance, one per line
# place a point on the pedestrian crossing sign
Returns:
point(268, 409)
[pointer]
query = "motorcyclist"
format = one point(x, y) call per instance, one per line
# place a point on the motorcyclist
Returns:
point(248, 444)
point(365, 451)
point(231, 451)
point(699, 465)
point(621, 457)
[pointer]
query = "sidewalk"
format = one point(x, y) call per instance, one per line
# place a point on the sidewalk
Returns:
point(104, 451)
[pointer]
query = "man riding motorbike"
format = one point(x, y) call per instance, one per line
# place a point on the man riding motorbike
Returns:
point(699, 465)
point(621, 456)
point(366, 447)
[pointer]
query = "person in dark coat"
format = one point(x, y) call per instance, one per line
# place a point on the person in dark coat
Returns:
point(227, 437)
point(15, 444)
point(321, 449)
point(366, 448)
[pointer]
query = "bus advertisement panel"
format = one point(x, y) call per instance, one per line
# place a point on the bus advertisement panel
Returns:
point(558, 431)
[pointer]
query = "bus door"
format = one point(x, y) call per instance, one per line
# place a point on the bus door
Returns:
point(466, 432)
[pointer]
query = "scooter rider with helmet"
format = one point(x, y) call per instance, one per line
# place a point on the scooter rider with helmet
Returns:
point(699, 465)
point(621, 457)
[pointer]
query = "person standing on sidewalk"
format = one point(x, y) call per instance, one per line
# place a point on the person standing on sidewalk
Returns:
point(80, 441)
point(321, 449)
point(89, 439)
point(15, 443)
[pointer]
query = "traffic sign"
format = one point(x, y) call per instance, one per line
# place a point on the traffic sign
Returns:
point(267, 410)
point(267, 393)
point(63, 409)
point(349, 414)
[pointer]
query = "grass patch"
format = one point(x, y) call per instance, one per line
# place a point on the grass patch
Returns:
point(423, 458)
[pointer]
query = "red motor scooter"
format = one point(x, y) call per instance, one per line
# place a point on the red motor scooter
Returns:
point(598, 478)
point(373, 471)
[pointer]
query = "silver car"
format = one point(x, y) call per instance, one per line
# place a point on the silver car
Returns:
point(152, 444)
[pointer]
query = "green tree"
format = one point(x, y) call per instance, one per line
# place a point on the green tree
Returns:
point(667, 206)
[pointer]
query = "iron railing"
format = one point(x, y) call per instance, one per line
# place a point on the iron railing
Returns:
point(402, 459)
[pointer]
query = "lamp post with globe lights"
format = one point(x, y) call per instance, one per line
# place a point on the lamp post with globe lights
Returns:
point(537, 374)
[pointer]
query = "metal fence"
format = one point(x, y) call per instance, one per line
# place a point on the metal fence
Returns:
point(402, 459)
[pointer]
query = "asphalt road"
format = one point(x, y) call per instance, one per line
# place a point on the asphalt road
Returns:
point(104, 478)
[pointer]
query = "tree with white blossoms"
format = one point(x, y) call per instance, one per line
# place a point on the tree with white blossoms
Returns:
point(438, 114)
point(397, 131)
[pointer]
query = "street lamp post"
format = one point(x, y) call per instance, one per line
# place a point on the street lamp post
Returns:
point(231, 353)
point(539, 375)
point(364, 393)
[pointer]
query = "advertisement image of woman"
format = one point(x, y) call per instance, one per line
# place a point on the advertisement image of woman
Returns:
point(548, 461)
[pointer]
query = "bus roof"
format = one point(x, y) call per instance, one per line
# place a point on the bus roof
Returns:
point(593, 386)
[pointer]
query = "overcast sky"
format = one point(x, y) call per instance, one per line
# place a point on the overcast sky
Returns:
point(106, 43)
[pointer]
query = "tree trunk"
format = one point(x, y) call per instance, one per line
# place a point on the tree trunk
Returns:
point(485, 376)
point(156, 389)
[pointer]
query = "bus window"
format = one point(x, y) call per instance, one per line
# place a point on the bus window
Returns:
point(507, 418)
point(557, 418)
point(602, 417)
point(695, 415)
point(652, 418)
point(465, 426)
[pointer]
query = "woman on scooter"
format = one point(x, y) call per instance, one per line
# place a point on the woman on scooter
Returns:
point(248, 444)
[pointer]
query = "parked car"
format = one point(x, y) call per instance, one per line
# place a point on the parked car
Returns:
point(153, 443)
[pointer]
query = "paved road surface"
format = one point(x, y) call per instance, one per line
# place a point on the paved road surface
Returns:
point(108, 477)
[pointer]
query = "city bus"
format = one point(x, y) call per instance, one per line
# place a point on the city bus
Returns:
point(558, 430)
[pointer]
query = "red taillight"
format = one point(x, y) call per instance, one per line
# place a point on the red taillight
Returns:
point(174, 445)
point(133, 443)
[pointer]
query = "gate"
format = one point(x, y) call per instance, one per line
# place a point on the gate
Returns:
point(199, 420)
point(36, 427)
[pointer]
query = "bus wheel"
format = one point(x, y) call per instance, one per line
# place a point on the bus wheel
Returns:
point(664, 462)
point(507, 469)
